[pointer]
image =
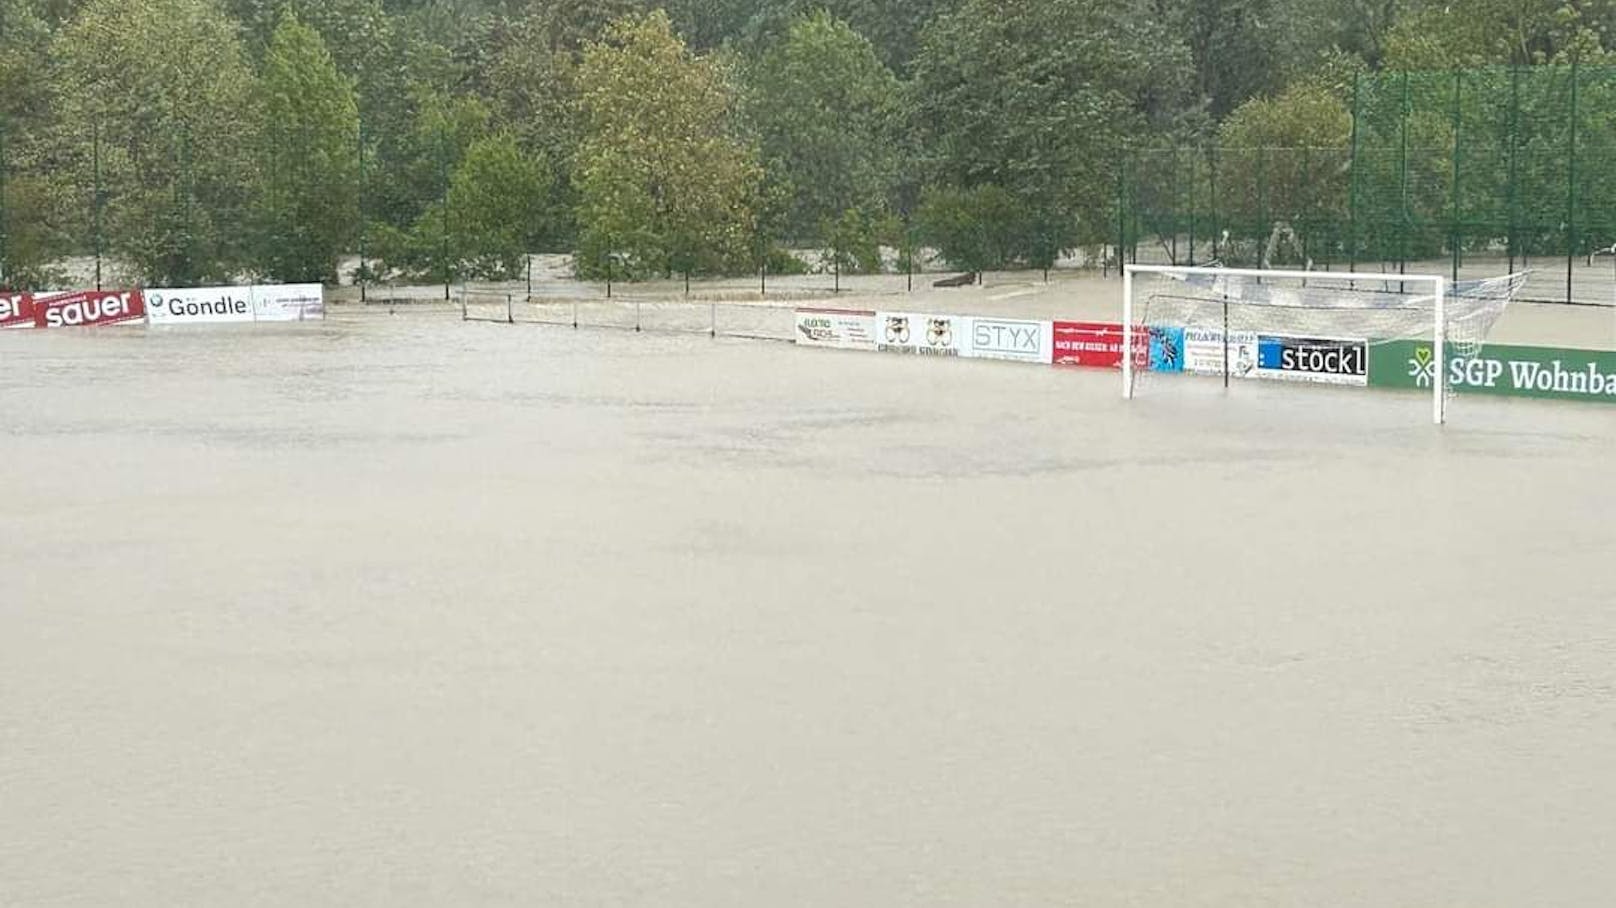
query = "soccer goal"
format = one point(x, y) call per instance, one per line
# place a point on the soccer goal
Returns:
point(1310, 326)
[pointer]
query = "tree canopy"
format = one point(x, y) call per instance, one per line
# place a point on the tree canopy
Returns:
point(454, 137)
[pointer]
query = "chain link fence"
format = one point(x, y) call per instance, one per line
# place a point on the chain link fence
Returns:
point(1470, 173)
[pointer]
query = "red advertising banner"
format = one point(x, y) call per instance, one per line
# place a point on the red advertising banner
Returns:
point(1098, 345)
point(89, 307)
point(16, 309)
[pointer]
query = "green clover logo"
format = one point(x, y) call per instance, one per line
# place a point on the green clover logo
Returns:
point(1422, 368)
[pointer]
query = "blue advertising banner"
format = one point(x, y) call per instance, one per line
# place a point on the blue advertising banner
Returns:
point(1166, 348)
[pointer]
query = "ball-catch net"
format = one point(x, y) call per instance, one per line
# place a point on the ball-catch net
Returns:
point(1304, 326)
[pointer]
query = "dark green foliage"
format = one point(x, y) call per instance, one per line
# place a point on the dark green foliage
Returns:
point(447, 139)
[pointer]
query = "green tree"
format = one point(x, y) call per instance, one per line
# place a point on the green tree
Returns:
point(1283, 166)
point(310, 132)
point(976, 229)
point(662, 179)
point(499, 201)
point(1041, 99)
point(824, 108)
point(534, 91)
point(26, 239)
point(1234, 46)
point(175, 128)
point(1473, 33)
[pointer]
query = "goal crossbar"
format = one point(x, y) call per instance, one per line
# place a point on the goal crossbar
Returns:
point(1438, 294)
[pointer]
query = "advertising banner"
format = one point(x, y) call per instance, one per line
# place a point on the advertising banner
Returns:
point(1542, 372)
point(1018, 341)
point(896, 331)
point(173, 306)
point(1096, 345)
point(1166, 348)
point(89, 307)
point(1204, 349)
point(1313, 359)
point(288, 302)
point(16, 309)
point(842, 329)
point(928, 335)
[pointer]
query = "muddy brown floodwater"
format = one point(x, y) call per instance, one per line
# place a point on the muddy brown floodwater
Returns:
point(409, 612)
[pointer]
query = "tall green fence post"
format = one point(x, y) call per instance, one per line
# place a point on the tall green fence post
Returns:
point(1172, 221)
point(1193, 171)
point(443, 175)
point(1453, 217)
point(1122, 210)
point(1212, 186)
point(1571, 185)
point(361, 275)
point(5, 270)
point(1263, 227)
point(1404, 217)
point(1352, 177)
point(98, 198)
point(1514, 165)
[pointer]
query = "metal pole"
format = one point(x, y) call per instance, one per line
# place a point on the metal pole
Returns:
point(636, 315)
point(362, 226)
point(1127, 332)
point(1212, 185)
point(1193, 159)
point(96, 200)
point(1122, 211)
point(5, 273)
point(909, 258)
point(1402, 181)
point(443, 175)
point(1571, 185)
point(510, 316)
point(712, 320)
point(608, 270)
point(189, 186)
point(1514, 174)
point(1226, 343)
point(530, 277)
point(1453, 219)
point(1263, 226)
point(1439, 387)
point(1172, 242)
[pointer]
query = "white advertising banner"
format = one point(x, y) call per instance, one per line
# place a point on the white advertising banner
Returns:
point(288, 302)
point(175, 306)
point(1203, 352)
point(842, 329)
point(1018, 341)
point(929, 335)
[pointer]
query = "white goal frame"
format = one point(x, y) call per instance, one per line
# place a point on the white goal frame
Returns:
point(1437, 283)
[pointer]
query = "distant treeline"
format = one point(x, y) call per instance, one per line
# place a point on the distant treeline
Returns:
point(217, 140)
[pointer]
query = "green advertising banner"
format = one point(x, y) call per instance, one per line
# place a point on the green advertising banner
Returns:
point(1585, 375)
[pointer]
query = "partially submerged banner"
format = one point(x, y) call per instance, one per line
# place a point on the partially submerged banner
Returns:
point(182, 306)
point(163, 306)
point(841, 329)
point(1513, 371)
point(88, 308)
point(16, 309)
point(1017, 340)
point(288, 302)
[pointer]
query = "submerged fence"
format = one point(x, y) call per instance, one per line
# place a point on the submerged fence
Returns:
point(1468, 172)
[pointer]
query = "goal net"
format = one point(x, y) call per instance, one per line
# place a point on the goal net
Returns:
point(1309, 326)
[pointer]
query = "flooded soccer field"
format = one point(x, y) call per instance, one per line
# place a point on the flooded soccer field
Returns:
point(404, 611)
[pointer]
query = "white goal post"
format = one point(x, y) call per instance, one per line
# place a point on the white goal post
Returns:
point(1421, 297)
